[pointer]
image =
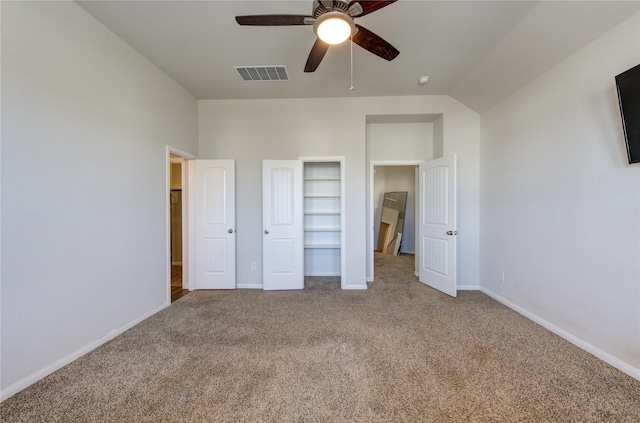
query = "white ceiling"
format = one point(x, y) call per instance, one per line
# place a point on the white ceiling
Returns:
point(475, 51)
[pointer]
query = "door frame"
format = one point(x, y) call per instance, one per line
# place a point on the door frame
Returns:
point(371, 209)
point(186, 218)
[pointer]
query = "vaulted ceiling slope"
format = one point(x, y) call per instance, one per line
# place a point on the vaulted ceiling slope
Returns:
point(478, 51)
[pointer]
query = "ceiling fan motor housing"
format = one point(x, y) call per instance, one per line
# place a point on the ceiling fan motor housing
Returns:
point(321, 7)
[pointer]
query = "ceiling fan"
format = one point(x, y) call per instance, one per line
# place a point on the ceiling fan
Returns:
point(333, 23)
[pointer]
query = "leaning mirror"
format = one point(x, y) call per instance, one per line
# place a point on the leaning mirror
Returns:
point(392, 222)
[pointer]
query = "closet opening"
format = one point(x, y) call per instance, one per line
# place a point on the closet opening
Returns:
point(176, 240)
point(394, 191)
point(177, 223)
point(323, 211)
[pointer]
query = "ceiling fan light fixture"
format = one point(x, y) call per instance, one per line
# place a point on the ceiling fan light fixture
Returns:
point(334, 27)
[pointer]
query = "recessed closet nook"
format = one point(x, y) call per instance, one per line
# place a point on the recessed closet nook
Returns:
point(322, 218)
point(303, 222)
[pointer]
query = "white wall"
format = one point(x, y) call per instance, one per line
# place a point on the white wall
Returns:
point(398, 141)
point(560, 206)
point(85, 124)
point(252, 130)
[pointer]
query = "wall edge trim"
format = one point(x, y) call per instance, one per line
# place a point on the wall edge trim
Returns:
point(568, 336)
point(249, 286)
point(25, 382)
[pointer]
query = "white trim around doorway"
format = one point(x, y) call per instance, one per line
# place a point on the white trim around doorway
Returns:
point(186, 220)
point(370, 207)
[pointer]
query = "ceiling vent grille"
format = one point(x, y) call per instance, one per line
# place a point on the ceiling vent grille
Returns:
point(262, 73)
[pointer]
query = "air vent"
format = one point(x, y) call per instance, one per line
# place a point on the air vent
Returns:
point(262, 73)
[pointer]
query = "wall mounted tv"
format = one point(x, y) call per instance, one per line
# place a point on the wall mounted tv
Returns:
point(628, 84)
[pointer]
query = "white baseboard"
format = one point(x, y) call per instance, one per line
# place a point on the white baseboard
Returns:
point(591, 349)
point(322, 274)
point(13, 389)
point(249, 286)
point(356, 287)
point(468, 287)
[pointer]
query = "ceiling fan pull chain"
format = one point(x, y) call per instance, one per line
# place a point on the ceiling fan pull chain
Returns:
point(351, 87)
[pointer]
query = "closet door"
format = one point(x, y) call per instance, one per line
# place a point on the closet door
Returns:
point(215, 222)
point(437, 225)
point(282, 242)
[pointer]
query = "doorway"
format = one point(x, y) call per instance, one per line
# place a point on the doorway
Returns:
point(436, 229)
point(177, 223)
point(394, 228)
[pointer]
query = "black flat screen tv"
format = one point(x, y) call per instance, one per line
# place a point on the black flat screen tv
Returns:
point(628, 85)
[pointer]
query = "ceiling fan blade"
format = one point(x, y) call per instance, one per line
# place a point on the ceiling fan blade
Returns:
point(371, 6)
point(315, 56)
point(275, 20)
point(376, 45)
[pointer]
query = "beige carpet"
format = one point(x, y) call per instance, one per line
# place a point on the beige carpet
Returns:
point(399, 352)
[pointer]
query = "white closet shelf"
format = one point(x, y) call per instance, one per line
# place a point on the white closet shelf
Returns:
point(322, 246)
point(322, 230)
point(321, 196)
point(336, 178)
point(328, 213)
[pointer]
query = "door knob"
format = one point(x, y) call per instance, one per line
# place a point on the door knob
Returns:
point(266, 231)
point(230, 231)
point(452, 232)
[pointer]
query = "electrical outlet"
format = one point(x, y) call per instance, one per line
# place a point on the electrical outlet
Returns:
point(254, 265)
point(501, 275)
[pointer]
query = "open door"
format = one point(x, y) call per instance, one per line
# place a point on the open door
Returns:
point(437, 224)
point(282, 217)
point(215, 221)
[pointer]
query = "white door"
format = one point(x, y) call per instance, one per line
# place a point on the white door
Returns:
point(282, 238)
point(215, 222)
point(437, 224)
